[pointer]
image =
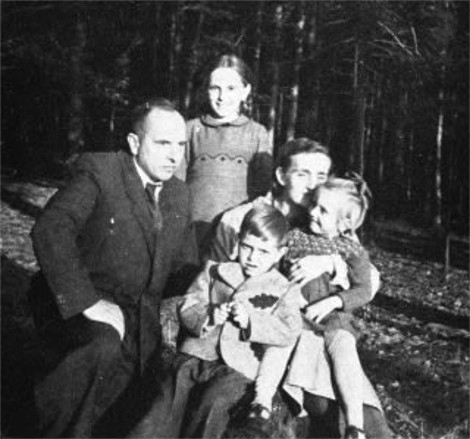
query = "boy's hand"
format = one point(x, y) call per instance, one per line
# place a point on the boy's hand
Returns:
point(318, 311)
point(240, 314)
point(221, 313)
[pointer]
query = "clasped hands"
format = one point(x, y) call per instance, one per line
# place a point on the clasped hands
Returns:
point(235, 310)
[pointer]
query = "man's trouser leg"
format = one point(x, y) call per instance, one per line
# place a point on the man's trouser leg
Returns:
point(88, 378)
point(222, 387)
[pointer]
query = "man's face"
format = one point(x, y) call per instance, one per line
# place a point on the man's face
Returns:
point(306, 171)
point(258, 256)
point(160, 147)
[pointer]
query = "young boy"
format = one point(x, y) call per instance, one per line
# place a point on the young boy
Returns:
point(230, 314)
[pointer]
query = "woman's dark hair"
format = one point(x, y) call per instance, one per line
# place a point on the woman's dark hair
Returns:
point(292, 148)
point(265, 222)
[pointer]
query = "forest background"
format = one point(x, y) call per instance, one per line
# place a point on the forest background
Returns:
point(385, 84)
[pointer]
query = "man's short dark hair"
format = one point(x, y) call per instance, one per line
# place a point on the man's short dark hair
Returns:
point(265, 222)
point(140, 112)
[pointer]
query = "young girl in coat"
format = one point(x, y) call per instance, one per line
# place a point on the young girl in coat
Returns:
point(338, 209)
point(228, 157)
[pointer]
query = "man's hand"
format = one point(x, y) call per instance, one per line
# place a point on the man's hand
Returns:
point(107, 312)
point(319, 310)
point(221, 313)
point(240, 314)
point(310, 267)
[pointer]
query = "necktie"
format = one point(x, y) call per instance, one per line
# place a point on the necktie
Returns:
point(153, 205)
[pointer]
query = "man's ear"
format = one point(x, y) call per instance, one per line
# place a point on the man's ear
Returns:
point(134, 143)
point(279, 173)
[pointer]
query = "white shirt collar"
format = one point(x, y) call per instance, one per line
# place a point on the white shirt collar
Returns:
point(144, 177)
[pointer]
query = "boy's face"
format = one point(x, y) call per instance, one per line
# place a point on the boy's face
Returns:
point(258, 256)
point(324, 217)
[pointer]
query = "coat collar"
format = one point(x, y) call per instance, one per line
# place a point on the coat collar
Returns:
point(231, 273)
point(136, 193)
point(207, 119)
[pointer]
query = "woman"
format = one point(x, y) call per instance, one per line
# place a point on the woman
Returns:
point(302, 165)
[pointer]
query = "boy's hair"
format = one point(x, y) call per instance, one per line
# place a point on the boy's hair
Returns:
point(140, 112)
point(267, 223)
point(355, 196)
point(292, 148)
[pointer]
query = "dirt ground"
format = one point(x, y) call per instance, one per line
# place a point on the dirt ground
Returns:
point(415, 343)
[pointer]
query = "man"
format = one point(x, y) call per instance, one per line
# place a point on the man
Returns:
point(106, 245)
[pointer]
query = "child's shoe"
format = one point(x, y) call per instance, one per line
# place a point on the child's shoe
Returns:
point(353, 432)
point(259, 411)
point(258, 423)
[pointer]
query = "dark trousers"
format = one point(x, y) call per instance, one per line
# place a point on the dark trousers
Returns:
point(195, 401)
point(93, 368)
point(327, 421)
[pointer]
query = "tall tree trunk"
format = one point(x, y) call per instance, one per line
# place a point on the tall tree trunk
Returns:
point(382, 146)
point(278, 12)
point(359, 105)
point(299, 39)
point(176, 33)
point(257, 44)
point(156, 65)
point(193, 60)
point(438, 165)
point(314, 83)
point(76, 122)
point(409, 176)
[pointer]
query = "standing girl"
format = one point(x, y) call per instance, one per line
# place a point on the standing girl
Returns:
point(228, 158)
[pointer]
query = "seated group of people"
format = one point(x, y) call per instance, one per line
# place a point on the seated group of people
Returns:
point(270, 308)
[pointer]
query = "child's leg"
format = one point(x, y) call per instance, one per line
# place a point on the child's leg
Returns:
point(347, 372)
point(270, 373)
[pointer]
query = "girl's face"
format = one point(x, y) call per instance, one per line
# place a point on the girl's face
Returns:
point(226, 93)
point(324, 217)
point(306, 171)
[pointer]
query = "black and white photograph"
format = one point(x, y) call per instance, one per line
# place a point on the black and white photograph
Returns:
point(235, 219)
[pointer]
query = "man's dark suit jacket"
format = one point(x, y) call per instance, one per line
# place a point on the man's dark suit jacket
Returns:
point(96, 239)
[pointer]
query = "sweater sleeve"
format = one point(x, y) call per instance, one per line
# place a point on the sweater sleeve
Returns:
point(359, 294)
point(261, 164)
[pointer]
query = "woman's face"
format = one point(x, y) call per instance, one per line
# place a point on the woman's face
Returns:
point(226, 93)
point(306, 171)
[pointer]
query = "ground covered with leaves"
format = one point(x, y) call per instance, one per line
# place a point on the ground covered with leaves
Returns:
point(415, 344)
